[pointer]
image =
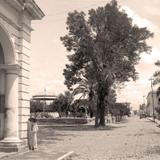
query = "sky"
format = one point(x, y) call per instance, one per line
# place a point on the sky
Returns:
point(49, 55)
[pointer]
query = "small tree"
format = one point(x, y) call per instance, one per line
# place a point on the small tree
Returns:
point(63, 103)
point(106, 47)
point(119, 110)
point(36, 106)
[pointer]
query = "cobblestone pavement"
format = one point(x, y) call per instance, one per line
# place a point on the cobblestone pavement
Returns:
point(133, 139)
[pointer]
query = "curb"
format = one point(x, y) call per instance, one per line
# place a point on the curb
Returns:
point(150, 119)
point(4, 155)
point(155, 121)
point(66, 156)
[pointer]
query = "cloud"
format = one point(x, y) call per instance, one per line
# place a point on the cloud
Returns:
point(144, 22)
point(141, 22)
point(151, 58)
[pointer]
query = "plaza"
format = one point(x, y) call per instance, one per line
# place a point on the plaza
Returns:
point(130, 139)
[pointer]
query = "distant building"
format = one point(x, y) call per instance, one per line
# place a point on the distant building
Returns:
point(142, 110)
point(153, 102)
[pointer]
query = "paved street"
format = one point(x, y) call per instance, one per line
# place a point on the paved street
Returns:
point(133, 139)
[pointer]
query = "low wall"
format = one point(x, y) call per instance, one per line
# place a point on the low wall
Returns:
point(50, 121)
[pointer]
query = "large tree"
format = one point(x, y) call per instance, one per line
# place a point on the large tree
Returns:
point(105, 47)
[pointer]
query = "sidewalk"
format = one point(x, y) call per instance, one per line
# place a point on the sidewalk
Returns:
point(154, 120)
point(53, 141)
point(132, 139)
point(37, 155)
point(43, 148)
point(4, 154)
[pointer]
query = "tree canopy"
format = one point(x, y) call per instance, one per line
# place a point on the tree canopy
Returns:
point(105, 46)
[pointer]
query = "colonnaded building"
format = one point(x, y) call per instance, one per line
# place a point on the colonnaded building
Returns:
point(15, 52)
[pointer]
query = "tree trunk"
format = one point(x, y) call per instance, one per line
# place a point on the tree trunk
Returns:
point(101, 93)
point(102, 112)
point(97, 115)
point(101, 108)
point(102, 117)
point(96, 120)
point(90, 110)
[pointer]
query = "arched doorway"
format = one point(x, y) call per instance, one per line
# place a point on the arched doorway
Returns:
point(2, 94)
point(8, 89)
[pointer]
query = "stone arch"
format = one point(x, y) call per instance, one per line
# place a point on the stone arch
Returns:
point(7, 46)
point(8, 86)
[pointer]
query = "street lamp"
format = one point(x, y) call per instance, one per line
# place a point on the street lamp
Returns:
point(151, 79)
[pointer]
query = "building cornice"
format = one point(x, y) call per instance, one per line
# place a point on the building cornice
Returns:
point(10, 67)
point(16, 26)
point(31, 7)
point(34, 10)
point(16, 4)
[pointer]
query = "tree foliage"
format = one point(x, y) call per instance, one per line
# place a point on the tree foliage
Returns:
point(86, 90)
point(80, 107)
point(63, 103)
point(39, 106)
point(105, 48)
point(119, 110)
point(156, 74)
point(36, 106)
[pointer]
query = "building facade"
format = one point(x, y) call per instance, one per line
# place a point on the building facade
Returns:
point(15, 52)
point(153, 102)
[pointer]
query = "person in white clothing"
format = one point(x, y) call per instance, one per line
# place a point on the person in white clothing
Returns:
point(32, 133)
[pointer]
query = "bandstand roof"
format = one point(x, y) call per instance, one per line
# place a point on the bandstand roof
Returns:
point(44, 97)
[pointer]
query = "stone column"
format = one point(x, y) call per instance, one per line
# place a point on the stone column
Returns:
point(11, 133)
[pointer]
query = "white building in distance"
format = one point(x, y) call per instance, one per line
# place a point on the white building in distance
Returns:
point(153, 102)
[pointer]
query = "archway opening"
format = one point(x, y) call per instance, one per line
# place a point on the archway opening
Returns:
point(6, 46)
point(7, 58)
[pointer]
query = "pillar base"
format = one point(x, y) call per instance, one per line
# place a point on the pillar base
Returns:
point(10, 145)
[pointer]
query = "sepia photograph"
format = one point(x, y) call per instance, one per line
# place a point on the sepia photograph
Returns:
point(79, 80)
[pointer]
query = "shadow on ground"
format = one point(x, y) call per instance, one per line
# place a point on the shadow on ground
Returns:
point(56, 132)
point(49, 134)
point(80, 128)
point(153, 150)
